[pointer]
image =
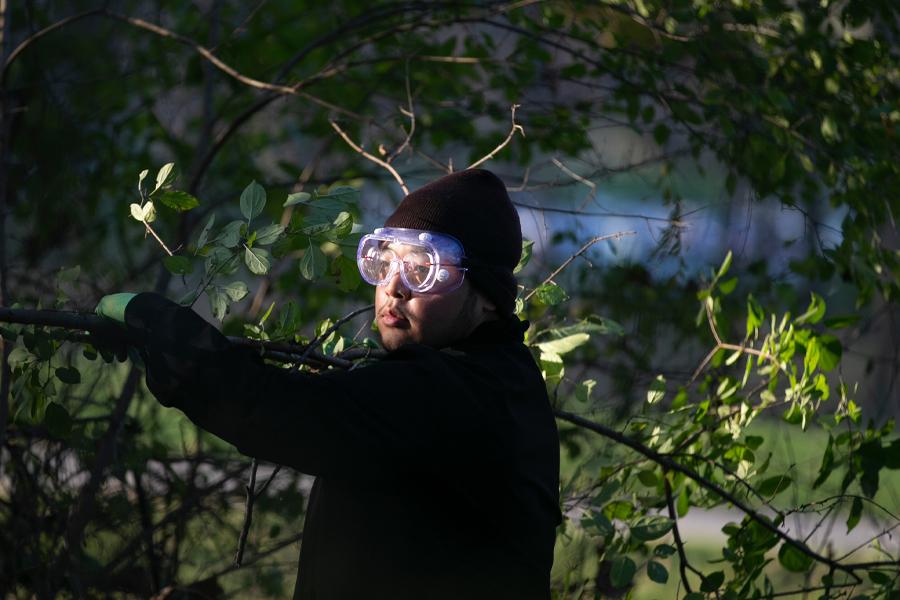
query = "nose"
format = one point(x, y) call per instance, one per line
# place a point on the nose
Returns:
point(395, 288)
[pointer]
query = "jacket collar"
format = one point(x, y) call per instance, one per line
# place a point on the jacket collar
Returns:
point(505, 330)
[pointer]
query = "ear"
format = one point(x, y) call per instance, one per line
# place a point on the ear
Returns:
point(484, 306)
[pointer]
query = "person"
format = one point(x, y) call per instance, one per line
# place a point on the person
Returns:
point(437, 467)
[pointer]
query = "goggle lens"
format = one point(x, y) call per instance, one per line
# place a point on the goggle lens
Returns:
point(415, 255)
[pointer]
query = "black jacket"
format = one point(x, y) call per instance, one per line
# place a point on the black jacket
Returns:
point(437, 470)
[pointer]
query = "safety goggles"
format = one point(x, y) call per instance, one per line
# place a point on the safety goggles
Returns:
point(427, 262)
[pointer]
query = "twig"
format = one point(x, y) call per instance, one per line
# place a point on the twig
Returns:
point(578, 178)
point(568, 261)
point(248, 514)
point(370, 157)
point(158, 239)
point(409, 112)
point(720, 345)
point(683, 564)
point(317, 341)
point(515, 127)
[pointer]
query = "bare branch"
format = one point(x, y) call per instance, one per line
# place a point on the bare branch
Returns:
point(515, 127)
point(370, 157)
point(409, 112)
point(569, 260)
point(578, 178)
point(248, 514)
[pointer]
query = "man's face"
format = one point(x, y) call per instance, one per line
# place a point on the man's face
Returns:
point(432, 319)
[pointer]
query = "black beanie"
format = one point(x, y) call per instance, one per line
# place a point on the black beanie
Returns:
point(473, 207)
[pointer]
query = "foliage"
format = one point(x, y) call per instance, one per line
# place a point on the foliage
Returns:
point(104, 492)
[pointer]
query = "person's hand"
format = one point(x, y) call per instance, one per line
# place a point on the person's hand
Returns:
point(111, 341)
point(113, 306)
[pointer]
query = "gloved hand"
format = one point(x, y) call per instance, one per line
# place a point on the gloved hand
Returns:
point(111, 341)
point(113, 306)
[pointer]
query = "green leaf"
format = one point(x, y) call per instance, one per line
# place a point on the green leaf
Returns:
point(69, 375)
point(661, 134)
point(230, 235)
point(141, 177)
point(830, 352)
point(657, 390)
point(342, 193)
point(727, 286)
point(726, 264)
point(564, 345)
point(312, 265)
point(774, 485)
point(527, 249)
point(57, 420)
point(879, 577)
point(296, 198)
point(621, 571)
point(68, 275)
point(814, 312)
point(180, 201)
point(651, 528)
point(656, 572)
point(348, 273)
point(257, 260)
point(164, 176)
point(269, 234)
point(341, 226)
point(591, 325)
point(683, 502)
point(664, 550)
point(253, 200)
point(829, 130)
point(825, 469)
point(20, 357)
point(550, 294)
point(178, 265)
point(712, 582)
point(204, 233)
point(793, 559)
point(755, 315)
point(584, 389)
point(218, 303)
point(599, 523)
point(236, 290)
point(648, 478)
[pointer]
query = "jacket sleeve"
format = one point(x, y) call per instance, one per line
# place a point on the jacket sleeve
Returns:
point(404, 413)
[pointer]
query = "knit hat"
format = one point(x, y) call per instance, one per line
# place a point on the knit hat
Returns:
point(473, 207)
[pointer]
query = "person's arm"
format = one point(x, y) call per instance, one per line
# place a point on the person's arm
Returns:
point(395, 415)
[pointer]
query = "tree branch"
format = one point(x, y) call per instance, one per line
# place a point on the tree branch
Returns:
point(581, 251)
point(358, 149)
point(515, 127)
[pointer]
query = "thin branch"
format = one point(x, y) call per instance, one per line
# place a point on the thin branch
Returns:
point(590, 184)
point(370, 157)
point(582, 250)
point(515, 127)
point(158, 239)
point(683, 564)
point(39, 34)
point(409, 112)
point(317, 341)
point(248, 514)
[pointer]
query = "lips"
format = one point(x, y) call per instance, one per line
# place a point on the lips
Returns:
point(392, 318)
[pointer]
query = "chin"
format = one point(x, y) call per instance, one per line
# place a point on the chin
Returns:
point(393, 339)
